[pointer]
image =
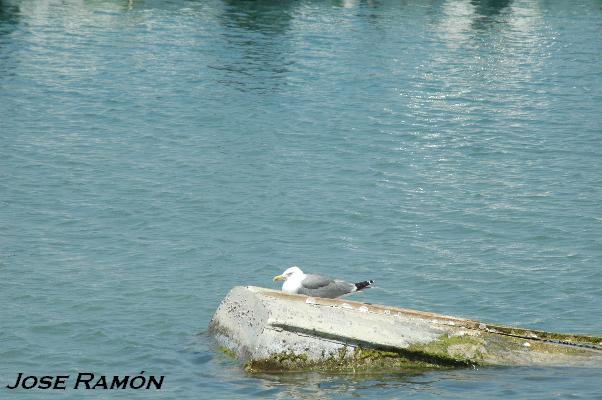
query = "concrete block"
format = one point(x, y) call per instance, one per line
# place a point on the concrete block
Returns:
point(268, 330)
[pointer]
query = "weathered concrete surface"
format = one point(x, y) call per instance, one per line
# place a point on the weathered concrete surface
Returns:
point(270, 330)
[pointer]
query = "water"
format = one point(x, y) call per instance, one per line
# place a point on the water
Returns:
point(156, 153)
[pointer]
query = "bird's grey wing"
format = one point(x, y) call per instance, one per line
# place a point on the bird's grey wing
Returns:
point(323, 286)
point(316, 281)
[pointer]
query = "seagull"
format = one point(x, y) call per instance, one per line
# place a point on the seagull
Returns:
point(296, 282)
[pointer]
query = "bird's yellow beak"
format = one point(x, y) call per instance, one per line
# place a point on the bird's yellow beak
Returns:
point(278, 278)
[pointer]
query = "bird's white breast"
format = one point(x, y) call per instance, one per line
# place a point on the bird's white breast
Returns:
point(292, 285)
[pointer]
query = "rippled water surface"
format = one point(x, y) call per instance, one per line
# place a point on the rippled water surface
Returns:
point(153, 154)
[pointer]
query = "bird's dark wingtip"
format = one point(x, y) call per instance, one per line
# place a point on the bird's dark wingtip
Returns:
point(363, 285)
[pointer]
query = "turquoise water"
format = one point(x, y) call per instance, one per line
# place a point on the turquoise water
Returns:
point(154, 154)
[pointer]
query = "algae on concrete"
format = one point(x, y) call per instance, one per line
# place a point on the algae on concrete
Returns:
point(357, 360)
point(459, 349)
point(226, 351)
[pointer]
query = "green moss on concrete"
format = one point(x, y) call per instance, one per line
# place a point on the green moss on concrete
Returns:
point(444, 352)
point(563, 337)
point(539, 346)
point(228, 352)
point(488, 348)
point(465, 349)
point(360, 360)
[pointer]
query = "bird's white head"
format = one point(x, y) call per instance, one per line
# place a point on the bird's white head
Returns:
point(292, 272)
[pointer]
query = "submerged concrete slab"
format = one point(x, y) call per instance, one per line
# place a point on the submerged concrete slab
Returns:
point(270, 330)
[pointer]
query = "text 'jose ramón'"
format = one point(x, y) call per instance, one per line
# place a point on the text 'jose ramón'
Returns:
point(86, 380)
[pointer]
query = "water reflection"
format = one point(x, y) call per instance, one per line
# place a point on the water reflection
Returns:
point(490, 7)
point(9, 20)
point(463, 19)
point(499, 51)
point(256, 36)
point(489, 12)
point(314, 385)
point(269, 17)
point(9, 14)
point(356, 3)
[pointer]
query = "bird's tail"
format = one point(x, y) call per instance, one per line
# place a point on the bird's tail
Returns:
point(363, 285)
